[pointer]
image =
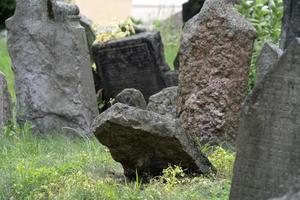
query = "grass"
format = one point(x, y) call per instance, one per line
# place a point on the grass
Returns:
point(58, 167)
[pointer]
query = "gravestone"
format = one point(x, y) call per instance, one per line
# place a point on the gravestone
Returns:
point(214, 58)
point(53, 77)
point(146, 143)
point(133, 62)
point(290, 22)
point(190, 9)
point(131, 97)
point(164, 102)
point(267, 162)
point(5, 102)
point(269, 56)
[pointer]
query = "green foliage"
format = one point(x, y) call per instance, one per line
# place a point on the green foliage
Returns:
point(171, 38)
point(265, 15)
point(7, 8)
point(5, 67)
point(59, 167)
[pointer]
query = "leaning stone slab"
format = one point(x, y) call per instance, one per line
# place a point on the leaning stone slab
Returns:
point(214, 62)
point(131, 97)
point(269, 56)
point(146, 142)
point(133, 62)
point(5, 102)
point(267, 162)
point(290, 22)
point(164, 102)
point(53, 77)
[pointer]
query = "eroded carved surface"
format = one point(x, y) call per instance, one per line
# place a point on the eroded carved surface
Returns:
point(213, 75)
point(52, 66)
point(267, 162)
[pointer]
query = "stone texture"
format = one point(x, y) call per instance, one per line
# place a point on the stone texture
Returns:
point(133, 62)
point(290, 196)
point(86, 23)
point(171, 78)
point(214, 61)
point(5, 102)
point(268, 57)
point(191, 8)
point(290, 22)
point(164, 102)
point(53, 77)
point(267, 162)
point(146, 142)
point(131, 97)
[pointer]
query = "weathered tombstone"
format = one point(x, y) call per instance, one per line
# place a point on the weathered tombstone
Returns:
point(214, 61)
point(133, 62)
point(131, 97)
point(146, 143)
point(53, 77)
point(269, 56)
point(5, 102)
point(290, 22)
point(191, 8)
point(267, 162)
point(164, 102)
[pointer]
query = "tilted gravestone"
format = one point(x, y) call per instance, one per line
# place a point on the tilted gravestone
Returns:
point(190, 9)
point(53, 77)
point(269, 56)
point(214, 61)
point(146, 143)
point(5, 102)
point(133, 62)
point(290, 22)
point(267, 162)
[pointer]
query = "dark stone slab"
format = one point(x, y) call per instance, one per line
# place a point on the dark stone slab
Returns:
point(191, 8)
point(268, 154)
point(133, 62)
point(131, 97)
point(146, 142)
point(268, 57)
point(290, 22)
